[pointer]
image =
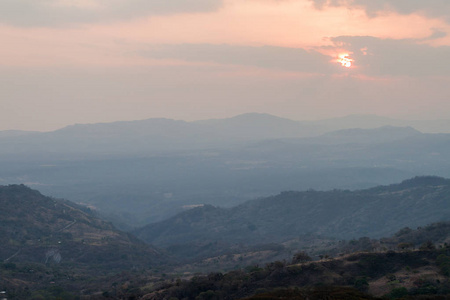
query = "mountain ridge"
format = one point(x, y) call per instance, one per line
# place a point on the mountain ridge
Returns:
point(344, 122)
point(32, 224)
point(374, 212)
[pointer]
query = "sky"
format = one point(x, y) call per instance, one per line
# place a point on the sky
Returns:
point(87, 61)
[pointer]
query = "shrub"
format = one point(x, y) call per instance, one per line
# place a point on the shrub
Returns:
point(398, 293)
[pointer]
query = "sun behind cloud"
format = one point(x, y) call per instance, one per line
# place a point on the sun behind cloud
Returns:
point(345, 60)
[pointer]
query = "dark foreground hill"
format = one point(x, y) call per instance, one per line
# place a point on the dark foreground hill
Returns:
point(50, 242)
point(411, 264)
point(215, 257)
point(420, 274)
point(375, 212)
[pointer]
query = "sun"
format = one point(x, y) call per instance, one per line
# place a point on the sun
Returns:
point(345, 60)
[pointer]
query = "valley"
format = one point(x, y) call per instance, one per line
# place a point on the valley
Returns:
point(159, 166)
point(224, 150)
point(53, 248)
point(230, 214)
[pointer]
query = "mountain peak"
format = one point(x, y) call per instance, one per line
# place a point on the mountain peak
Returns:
point(258, 116)
point(252, 117)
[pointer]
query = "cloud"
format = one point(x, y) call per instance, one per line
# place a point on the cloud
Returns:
point(372, 56)
point(269, 57)
point(67, 95)
point(62, 12)
point(388, 57)
point(434, 8)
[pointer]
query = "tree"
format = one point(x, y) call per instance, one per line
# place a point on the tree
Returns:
point(404, 246)
point(428, 245)
point(301, 257)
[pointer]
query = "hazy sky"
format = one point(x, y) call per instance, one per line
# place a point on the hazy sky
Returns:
point(88, 61)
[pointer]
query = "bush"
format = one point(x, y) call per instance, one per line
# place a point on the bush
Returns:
point(398, 293)
point(361, 284)
point(443, 262)
point(9, 266)
point(301, 257)
point(208, 295)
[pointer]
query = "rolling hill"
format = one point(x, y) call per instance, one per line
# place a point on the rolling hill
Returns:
point(342, 214)
point(55, 249)
point(31, 225)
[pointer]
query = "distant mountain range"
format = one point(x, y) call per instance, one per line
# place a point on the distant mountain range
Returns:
point(13, 133)
point(162, 135)
point(373, 121)
point(151, 136)
point(382, 134)
point(374, 212)
point(144, 171)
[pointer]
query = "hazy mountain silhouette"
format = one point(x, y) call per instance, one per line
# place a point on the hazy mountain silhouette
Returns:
point(255, 126)
point(165, 136)
point(373, 121)
point(382, 134)
point(142, 171)
point(162, 135)
point(153, 135)
point(12, 133)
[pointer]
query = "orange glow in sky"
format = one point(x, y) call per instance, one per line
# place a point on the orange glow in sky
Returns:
point(134, 59)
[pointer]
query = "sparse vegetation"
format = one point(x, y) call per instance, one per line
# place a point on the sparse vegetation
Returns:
point(56, 249)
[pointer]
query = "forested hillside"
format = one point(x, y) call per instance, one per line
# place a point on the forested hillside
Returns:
point(54, 249)
point(50, 242)
point(341, 214)
point(391, 275)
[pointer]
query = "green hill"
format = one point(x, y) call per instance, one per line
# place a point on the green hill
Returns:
point(50, 242)
point(341, 214)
